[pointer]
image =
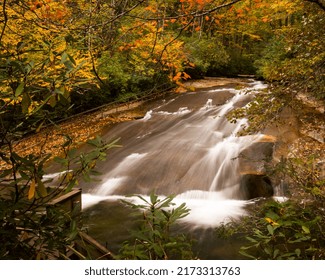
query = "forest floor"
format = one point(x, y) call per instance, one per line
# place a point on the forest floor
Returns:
point(80, 129)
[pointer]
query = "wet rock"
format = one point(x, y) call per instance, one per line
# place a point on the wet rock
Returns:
point(252, 160)
point(256, 185)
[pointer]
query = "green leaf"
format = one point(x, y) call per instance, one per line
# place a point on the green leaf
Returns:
point(298, 252)
point(41, 188)
point(157, 233)
point(29, 67)
point(270, 229)
point(166, 202)
point(251, 239)
point(305, 229)
point(153, 198)
point(20, 89)
point(52, 101)
point(72, 59)
point(267, 251)
point(247, 255)
point(316, 191)
point(25, 103)
point(86, 177)
point(64, 57)
point(72, 183)
point(63, 100)
point(62, 161)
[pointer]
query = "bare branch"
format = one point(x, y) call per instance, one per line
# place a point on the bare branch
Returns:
point(5, 18)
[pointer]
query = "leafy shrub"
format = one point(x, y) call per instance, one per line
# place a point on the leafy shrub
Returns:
point(154, 238)
point(286, 231)
point(31, 227)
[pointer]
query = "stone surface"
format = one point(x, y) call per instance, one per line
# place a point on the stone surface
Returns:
point(256, 185)
point(252, 160)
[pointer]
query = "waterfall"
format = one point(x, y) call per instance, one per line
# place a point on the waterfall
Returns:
point(186, 147)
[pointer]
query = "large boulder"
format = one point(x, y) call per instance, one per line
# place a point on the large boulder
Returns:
point(252, 160)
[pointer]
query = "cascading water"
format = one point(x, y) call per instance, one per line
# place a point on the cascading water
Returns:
point(187, 147)
point(183, 146)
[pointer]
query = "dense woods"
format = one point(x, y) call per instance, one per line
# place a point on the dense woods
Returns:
point(59, 58)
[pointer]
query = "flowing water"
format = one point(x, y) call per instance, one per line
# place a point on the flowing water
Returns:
point(185, 146)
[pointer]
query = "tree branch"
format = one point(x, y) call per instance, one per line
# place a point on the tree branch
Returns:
point(5, 19)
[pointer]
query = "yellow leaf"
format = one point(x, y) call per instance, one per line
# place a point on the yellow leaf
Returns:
point(69, 176)
point(31, 192)
point(52, 57)
point(270, 221)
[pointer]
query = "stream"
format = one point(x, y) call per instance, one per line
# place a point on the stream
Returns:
point(185, 146)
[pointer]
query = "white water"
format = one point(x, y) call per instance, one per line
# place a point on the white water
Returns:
point(190, 153)
point(115, 178)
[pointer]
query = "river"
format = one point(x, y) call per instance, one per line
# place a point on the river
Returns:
point(185, 146)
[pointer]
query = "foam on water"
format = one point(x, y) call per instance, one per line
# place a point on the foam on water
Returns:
point(210, 208)
point(89, 200)
point(212, 212)
point(55, 175)
point(207, 209)
point(258, 85)
point(147, 116)
point(110, 185)
point(180, 111)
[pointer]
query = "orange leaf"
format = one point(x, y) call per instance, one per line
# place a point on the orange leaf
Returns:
point(186, 76)
point(32, 187)
point(177, 77)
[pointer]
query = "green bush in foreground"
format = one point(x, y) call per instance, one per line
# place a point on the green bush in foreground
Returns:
point(154, 239)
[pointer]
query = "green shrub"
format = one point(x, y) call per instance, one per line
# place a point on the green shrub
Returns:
point(154, 238)
point(286, 231)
